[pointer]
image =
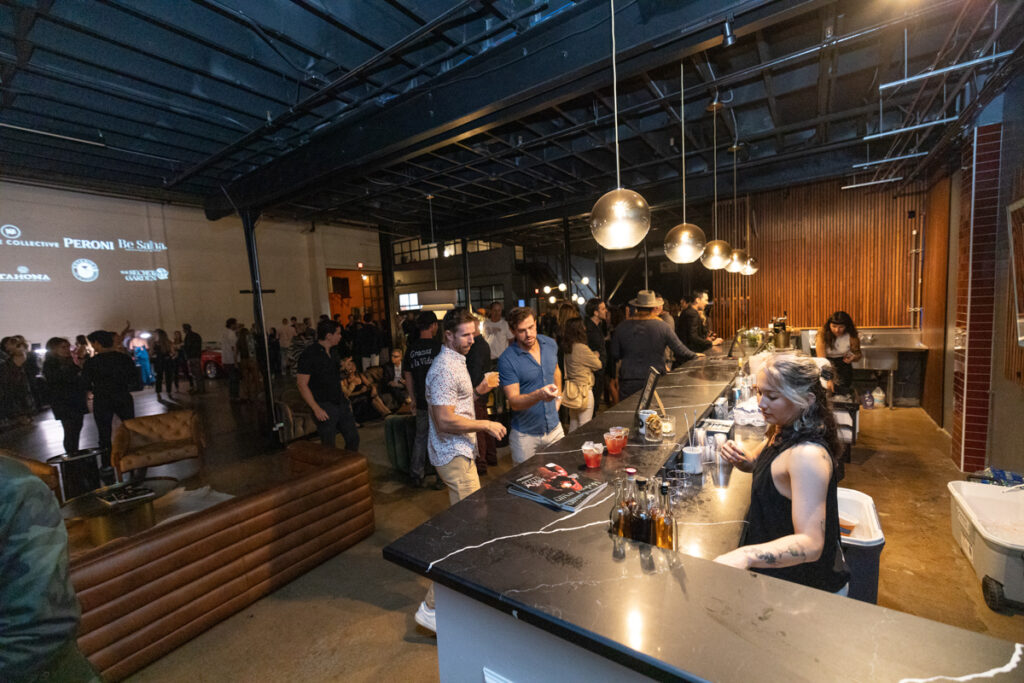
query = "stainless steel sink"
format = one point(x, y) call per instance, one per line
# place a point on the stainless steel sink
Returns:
point(880, 347)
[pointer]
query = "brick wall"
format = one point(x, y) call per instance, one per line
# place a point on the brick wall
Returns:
point(975, 309)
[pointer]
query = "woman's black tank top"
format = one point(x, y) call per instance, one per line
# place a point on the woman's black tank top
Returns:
point(771, 516)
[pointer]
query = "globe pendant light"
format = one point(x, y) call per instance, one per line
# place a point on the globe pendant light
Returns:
point(716, 252)
point(685, 242)
point(737, 257)
point(751, 266)
point(621, 218)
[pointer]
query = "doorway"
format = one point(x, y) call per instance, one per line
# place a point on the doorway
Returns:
point(355, 292)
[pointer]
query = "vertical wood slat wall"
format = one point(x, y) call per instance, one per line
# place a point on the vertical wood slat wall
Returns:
point(821, 249)
point(1013, 357)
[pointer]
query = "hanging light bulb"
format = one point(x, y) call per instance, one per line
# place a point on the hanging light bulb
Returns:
point(685, 242)
point(584, 280)
point(737, 257)
point(737, 261)
point(751, 266)
point(716, 252)
point(621, 218)
point(562, 287)
point(552, 299)
point(547, 289)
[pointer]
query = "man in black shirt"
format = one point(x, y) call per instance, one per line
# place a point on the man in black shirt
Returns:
point(111, 376)
point(416, 365)
point(695, 330)
point(596, 324)
point(319, 382)
point(478, 363)
point(193, 345)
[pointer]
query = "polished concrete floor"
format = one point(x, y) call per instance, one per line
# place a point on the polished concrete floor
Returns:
point(351, 618)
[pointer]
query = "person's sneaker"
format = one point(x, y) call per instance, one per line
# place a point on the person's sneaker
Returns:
point(425, 617)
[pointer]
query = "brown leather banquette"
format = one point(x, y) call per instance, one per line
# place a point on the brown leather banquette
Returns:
point(145, 595)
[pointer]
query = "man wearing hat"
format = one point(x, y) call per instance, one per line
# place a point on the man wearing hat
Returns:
point(640, 342)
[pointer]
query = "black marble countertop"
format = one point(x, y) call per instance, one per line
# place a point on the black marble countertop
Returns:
point(674, 615)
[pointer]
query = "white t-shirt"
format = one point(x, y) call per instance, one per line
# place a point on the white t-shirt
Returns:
point(285, 335)
point(227, 346)
point(496, 335)
point(839, 347)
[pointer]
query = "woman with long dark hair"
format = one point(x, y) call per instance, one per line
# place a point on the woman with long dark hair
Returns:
point(580, 364)
point(792, 530)
point(839, 342)
point(67, 392)
point(163, 361)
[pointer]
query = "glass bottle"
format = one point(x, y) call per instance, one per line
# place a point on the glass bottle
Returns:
point(665, 521)
point(641, 520)
point(618, 519)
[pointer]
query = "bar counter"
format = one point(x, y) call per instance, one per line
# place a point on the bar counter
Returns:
point(528, 593)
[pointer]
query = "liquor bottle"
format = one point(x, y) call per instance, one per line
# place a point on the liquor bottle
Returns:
point(665, 521)
point(641, 519)
point(618, 519)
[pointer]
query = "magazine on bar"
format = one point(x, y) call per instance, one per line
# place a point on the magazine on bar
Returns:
point(553, 486)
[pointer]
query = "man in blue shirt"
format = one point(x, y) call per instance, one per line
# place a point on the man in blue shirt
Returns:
point(529, 375)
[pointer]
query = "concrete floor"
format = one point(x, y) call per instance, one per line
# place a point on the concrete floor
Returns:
point(351, 618)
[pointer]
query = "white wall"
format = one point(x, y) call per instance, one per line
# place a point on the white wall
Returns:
point(205, 263)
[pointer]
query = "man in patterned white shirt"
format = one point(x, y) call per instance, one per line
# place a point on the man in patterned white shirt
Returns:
point(453, 424)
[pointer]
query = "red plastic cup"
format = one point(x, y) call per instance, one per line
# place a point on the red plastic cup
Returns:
point(592, 457)
point(614, 443)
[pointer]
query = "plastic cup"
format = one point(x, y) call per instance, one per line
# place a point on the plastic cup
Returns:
point(721, 472)
point(592, 456)
point(614, 443)
point(692, 460)
point(492, 379)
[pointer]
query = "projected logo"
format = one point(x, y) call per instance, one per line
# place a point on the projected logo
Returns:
point(11, 232)
point(138, 275)
point(24, 274)
point(85, 270)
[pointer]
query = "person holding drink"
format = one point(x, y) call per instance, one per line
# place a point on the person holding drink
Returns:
point(530, 377)
point(792, 530)
point(478, 363)
point(453, 425)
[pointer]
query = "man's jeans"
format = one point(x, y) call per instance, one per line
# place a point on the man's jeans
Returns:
point(525, 445)
point(339, 419)
point(103, 410)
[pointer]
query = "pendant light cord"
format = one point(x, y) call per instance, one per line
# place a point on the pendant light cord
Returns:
point(615, 99)
point(682, 134)
point(714, 156)
point(735, 216)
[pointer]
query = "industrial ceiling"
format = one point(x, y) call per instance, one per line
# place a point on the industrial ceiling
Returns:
point(502, 111)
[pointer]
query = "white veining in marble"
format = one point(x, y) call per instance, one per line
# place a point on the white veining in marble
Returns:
point(1015, 660)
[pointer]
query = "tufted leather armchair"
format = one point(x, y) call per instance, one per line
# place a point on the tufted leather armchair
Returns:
point(295, 414)
point(157, 440)
point(41, 470)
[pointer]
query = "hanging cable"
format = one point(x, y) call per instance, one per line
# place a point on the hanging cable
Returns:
point(615, 99)
point(682, 133)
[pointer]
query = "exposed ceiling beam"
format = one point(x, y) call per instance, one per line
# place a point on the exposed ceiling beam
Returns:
point(556, 61)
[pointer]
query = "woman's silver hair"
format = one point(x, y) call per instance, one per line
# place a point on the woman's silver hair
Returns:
point(798, 378)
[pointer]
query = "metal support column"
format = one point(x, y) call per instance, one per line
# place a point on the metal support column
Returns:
point(600, 272)
point(465, 273)
point(567, 264)
point(387, 274)
point(249, 218)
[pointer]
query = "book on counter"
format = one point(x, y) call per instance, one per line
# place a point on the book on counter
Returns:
point(553, 486)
